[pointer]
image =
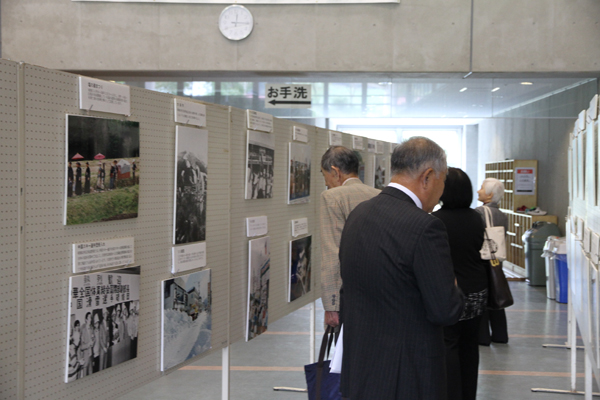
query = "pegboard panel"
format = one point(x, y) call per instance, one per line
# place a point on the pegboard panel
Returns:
point(9, 228)
point(49, 96)
point(279, 215)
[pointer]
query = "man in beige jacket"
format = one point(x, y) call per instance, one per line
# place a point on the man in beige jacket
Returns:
point(339, 166)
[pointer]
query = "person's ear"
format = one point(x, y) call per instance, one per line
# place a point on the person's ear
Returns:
point(426, 178)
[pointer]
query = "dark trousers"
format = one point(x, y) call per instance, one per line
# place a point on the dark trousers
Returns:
point(496, 320)
point(462, 359)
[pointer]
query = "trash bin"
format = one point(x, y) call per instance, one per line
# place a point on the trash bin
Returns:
point(548, 255)
point(534, 240)
point(561, 273)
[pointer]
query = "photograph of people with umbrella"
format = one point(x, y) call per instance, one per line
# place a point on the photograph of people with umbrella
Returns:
point(93, 145)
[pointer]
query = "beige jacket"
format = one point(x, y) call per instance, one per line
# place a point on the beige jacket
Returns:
point(336, 205)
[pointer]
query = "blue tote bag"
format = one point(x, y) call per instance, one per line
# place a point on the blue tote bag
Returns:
point(322, 384)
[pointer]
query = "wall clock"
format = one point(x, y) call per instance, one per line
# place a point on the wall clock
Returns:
point(236, 22)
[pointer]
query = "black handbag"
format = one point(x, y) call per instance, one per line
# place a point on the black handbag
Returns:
point(322, 384)
point(499, 295)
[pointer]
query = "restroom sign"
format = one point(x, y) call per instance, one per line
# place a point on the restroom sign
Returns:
point(287, 96)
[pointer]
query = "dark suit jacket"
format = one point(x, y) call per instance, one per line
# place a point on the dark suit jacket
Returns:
point(398, 293)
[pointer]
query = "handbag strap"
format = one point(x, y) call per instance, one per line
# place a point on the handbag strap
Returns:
point(326, 345)
point(488, 217)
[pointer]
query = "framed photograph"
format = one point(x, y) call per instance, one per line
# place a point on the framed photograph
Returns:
point(191, 174)
point(186, 318)
point(300, 267)
point(103, 321)
point(299, 177)
point(103, 169)
point(259, 265)
point(380, 171)
point(259, 165)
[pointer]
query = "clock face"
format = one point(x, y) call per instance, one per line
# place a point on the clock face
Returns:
point(236, 22)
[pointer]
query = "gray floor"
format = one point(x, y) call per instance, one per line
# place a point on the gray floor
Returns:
point(507, 371)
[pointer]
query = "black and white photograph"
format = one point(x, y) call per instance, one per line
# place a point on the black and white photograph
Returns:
point(186, 318)
point(257, 319)
point(379, 170)
point(103, 321)
point(300, 267)
point(103, 169)
point(299, 175)
point(191, 148)
point(259, 165)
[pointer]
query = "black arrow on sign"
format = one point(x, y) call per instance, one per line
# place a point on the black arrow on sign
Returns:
point(275, 102)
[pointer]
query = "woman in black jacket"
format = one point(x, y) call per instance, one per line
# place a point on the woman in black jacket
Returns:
point(465, 235)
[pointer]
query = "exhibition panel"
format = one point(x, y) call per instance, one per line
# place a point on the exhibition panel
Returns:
point(11, 240)
point(151, 230)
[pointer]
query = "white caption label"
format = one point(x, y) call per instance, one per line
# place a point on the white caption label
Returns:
point(101, 254)
point(189, 256)
point(335, 138)
point(99, 95)
point(190, 113)
point(257, 226)
point(300, 134)
point(258, 121)
point(358, 143)
point(299, 227)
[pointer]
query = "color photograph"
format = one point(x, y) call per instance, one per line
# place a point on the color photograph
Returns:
point(103, 169)
point(186, 318)
point(191, 148)
point(300, 267)
point(103, 321)
point(259, 165)
point(379, 170)
point(258, 287)
point(299, 176)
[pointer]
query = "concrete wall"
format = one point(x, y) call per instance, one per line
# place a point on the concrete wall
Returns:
point(530, 133)
point(414, 36)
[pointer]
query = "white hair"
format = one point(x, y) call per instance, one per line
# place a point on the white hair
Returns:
point(495, 187)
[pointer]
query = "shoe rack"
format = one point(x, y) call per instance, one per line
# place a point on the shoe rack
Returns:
point(518, 223)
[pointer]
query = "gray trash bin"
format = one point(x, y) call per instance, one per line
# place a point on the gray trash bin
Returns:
point(548, 255)
point(534, 240)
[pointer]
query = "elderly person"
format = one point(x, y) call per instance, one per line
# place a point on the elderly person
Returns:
point(399, 284)
point(465, 235)
point(490, 195)
point(339, 166)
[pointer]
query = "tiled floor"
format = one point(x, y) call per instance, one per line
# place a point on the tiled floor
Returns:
point(507, 371)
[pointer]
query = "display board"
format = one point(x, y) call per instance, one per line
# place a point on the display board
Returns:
point(583, 227)
point(36, 261)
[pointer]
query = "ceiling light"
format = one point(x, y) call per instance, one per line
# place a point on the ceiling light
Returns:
point(463, 89)
point(384, 83)
point(526, 83)
point(495, 89)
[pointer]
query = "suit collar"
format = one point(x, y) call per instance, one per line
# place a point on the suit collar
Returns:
point(351, 181)
point(397, 193)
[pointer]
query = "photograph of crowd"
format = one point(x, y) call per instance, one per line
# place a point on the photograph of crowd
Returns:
point(103, 321)
point(361, 166)
point(299, 177)
point(379, 169)
point(191, 147)
point(300, 267)
point(259, 165)
point(186, 318)
point(103, 169)
point(258, 287)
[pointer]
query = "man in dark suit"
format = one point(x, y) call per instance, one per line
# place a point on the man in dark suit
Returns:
point(399, 284)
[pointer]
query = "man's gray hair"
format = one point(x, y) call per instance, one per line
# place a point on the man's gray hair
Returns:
point(340, 157)
point(416, 154)
point(494, 187)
